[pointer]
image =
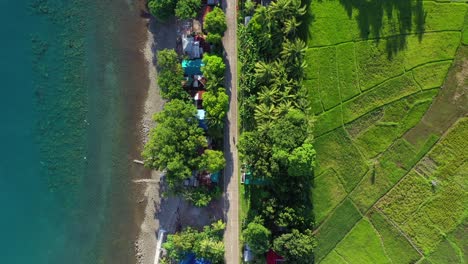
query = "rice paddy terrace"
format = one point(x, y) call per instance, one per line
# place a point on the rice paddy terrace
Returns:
point(388, 86)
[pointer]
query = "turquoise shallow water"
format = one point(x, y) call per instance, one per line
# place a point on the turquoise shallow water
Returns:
point(65, 116)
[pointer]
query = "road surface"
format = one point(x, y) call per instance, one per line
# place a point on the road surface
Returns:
point(231, 177)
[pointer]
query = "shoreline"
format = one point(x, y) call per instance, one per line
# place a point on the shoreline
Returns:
point(145, 245)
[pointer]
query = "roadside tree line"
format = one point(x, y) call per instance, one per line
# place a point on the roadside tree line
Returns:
point(276, 141)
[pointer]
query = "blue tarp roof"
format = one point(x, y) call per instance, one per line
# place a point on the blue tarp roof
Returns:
point(192, 67)
point(191, 259)
point(214, 177)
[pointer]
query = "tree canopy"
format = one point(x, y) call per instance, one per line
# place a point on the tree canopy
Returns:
point(216, 105)
point(162, 9)
point(206, 244)
point(296, 247)
point(186, 9)
point(170, 75)
point(212, 160)
point(215, 22)
point(214, 67)
point(174, 142)
point(257, 237)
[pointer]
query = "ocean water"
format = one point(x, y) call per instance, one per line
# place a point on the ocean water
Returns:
point(68, 118)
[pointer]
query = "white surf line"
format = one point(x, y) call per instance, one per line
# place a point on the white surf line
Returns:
point(158, 245)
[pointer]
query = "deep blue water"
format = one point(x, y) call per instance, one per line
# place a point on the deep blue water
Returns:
point(64, 173)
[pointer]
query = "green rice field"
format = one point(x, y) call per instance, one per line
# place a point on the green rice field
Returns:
point(385, 82)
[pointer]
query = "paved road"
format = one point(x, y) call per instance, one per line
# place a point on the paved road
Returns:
point(231, 177)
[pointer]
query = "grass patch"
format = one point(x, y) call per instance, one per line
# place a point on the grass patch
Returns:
point(347, 75)
point(373, 64)
point(433, 47)
point(396, 245)
point(335, 228)
point(393, 165)
point(333, 258)
point(328, 79)
point(360, 125)
point(314, 97)
point(334, 24)
point(446, 253)
point(401, 202)
point(327, 193)
point(336, 151)
point(398, 118)
point(328, 121)
point(385, 93)
point(431, 75)
point(362, 245)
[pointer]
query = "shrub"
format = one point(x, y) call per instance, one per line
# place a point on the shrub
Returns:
point(215, 22)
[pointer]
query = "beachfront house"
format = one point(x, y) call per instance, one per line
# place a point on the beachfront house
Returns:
point(191, 47)
point(192, 67)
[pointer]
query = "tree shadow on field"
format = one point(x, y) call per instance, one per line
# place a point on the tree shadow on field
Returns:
point(371, 16)
point(306, 20)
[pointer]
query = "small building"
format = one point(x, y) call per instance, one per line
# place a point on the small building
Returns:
point(191, 47)
point(247, 20)
point(192, 67)
point(201, 119)
point(248, 255)
point(214, 177)
point(274, 258)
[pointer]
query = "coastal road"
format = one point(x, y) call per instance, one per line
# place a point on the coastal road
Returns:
point(231, 177)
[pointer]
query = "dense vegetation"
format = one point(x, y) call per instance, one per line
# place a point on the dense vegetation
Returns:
point(182, 9)
point(178, 144)
point(276, 141)
point(381, 193)
point(207, 244)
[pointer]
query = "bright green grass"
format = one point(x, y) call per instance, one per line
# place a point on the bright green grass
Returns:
point(391, 167)
point(362, 245)
point(396, 245)
point(328, 81)
point(327, 195)
point(373, 64)
point(359, 126)
point(427, 215)
point(314, 97)
point(431, 75)
point(433, 47)
point(347, 75)
point(385, 93)
point(336, 151)
point(335, 228)
point(328, 121)
point(441, 214)
point(454, 146)
point(401, 202)
point(398, 117)
point(332, 24)
point(333, 258)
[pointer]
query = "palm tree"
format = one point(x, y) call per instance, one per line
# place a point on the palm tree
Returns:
point(264, 72)
point(264, 113)
point(268, 95)
point(284, 9)
point(291, 27)
point(297, 70)
point(293, 51)
point(284, 107)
